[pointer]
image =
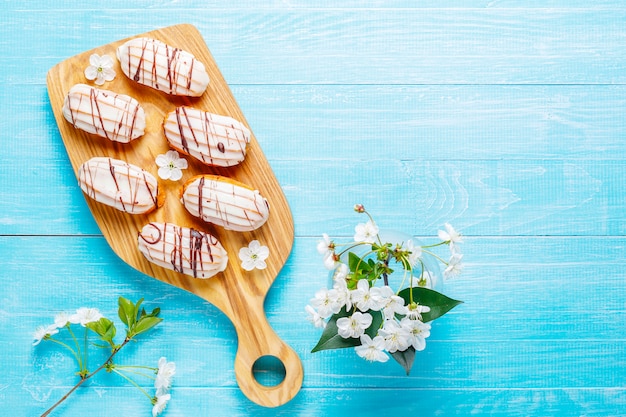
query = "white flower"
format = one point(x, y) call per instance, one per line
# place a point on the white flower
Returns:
point(42, 331)
point(341, 272)
point(325, 246)
point(314, 317)
point(159, 405)
point(416, 253)
point(331, 261)
point(396, 337)
point(418, 332)
point(171, 165)
point(450, 235)
point(388, 301)
point(366, 232)
point(414, 311)
point(354, 326)
point(372, 350)
point(85, 315)
point(454, 267)
point(342, 293)
point(362, 297)
point(326, 302)
point(163, 380)
point(100, 69)
point(253, 256)
point(61, 319)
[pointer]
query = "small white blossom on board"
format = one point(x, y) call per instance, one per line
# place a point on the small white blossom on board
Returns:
point(171, 166)
point(100, 69)
point(253, 256)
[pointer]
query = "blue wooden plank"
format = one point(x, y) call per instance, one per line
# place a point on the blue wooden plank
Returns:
point(338, 46)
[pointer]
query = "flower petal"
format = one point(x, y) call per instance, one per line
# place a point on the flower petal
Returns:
point(175, 174)
point(94, 60)
point(164, 172)
point(91, 73)
point(161, 160)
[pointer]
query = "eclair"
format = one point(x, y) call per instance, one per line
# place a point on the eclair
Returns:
point(117, 117)
point(182, 249)
point(118, 184)
point(158, 65)
point(225, 202)
point(212, 139)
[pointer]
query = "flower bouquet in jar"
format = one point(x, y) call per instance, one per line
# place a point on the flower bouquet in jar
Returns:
point(368, 310)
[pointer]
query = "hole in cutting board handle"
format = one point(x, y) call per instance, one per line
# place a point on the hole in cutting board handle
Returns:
point(269, 371)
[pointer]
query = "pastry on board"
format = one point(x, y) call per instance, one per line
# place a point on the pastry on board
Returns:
point(182, 249)
point(212, 139)
point(225, 202)
point(117, 117)
point(158, 65)
point(118, 184)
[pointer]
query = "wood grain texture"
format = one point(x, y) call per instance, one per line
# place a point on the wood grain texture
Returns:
point(503, 117)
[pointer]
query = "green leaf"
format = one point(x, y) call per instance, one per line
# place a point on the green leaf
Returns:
point(405, 358)
point(126, 312)
point(144, 324)
point(439, 304)
point(330, 339)
point(103, 328)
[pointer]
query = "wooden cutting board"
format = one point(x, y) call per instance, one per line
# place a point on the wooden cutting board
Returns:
point(237, 293)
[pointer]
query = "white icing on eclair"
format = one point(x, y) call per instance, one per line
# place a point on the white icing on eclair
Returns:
point(119, 184)
point(182, 249)
point(158, 65)
point(117, 117)
point(225, 202)
point(211, 138)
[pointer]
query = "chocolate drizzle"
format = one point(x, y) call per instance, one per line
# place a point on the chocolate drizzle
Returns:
point(184, 250)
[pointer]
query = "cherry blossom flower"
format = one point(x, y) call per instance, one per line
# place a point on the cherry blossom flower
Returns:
point(389, 302)
point(355, 325)
point(415, 253)
point(163, 380)
point(42, 332)
point(362, 297)
point(366, 232)
point(454, 267)
point(160, 404)
point(325, 247)
point(372, 349)
point(451, 236)
point(171, 166)
point(61, 319)
point(100, 69)
point(418, 332)
point(343, 296)
point(341, 272)
point(315, 318)
point(85, 316)
point(326, 302)
point(396, 337)
point(254, 256)
point(331, 261)
point(414, 311)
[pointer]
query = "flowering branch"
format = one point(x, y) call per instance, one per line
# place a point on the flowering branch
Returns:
point(137, 322)
point(376, 320)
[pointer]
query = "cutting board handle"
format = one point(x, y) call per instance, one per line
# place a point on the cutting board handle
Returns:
point(257, 339)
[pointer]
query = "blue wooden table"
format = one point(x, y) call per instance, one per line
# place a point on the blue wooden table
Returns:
point(504, 118)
